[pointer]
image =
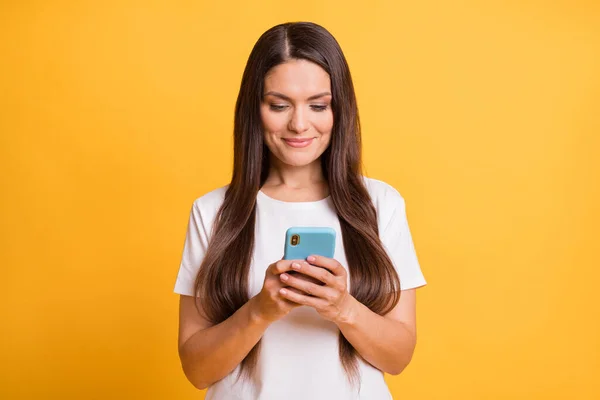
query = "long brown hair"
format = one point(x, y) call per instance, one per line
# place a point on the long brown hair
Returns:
point(222, 281)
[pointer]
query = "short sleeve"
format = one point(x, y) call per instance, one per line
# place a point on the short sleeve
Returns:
point(194, 249)
point(397, 240)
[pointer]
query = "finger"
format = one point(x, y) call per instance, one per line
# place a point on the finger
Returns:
point(282, 266)
point(318, 273)
point(309, 288)
point(294, 290)
point(287, 301)
point(303, 299)
point(331, 264)
point(306, 278)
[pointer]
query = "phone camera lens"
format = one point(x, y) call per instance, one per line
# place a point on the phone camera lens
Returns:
point(295, 240)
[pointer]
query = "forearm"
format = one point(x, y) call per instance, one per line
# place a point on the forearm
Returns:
point(212, 353)
point(385, 343)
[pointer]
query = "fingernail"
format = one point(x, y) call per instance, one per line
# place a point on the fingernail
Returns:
point(284, 277)
point(282, 291)
point(296, 266)
point(311, 258)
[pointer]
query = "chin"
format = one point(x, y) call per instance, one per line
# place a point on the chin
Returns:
point(298, 160)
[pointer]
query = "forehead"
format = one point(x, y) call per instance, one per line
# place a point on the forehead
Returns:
point(297, 78)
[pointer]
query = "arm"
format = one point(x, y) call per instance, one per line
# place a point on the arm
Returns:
point(387, 342)
point(209, 353)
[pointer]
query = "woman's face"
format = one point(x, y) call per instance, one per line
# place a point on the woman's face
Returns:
point(296, 112)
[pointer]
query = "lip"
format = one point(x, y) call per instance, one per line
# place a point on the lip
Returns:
point(298, 143)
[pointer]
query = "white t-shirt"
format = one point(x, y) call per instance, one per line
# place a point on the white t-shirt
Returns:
point(299, 356)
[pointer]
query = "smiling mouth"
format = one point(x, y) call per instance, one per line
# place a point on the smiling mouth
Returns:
point(298, 143)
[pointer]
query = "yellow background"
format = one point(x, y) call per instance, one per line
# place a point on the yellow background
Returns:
point(115, 116)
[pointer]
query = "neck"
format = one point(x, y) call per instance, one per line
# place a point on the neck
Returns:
point(294, 177)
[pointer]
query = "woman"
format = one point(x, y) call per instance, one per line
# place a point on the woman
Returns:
point(254, 326)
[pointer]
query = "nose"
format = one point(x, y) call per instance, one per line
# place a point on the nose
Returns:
point(298, 123)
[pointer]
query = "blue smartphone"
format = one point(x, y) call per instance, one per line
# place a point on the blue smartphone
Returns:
point(303, 241)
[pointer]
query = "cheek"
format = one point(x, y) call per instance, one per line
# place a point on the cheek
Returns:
point(323, 120)
point(324, 126)
point(325, 123)
point(273, 122)
point(325, 140)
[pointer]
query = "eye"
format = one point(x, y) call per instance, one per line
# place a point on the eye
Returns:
point(277, 107)
point(319, 108)
point(280, 107)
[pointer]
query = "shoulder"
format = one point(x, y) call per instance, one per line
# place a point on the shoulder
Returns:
point(209, 203)
point(387, 200)
point(383, 195)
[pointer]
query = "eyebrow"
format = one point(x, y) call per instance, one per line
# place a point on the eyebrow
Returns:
point(284, 97)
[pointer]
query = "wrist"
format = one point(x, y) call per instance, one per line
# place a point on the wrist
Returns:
point(348, 311)
point(254, 314)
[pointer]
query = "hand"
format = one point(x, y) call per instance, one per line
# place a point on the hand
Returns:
point(331, 299)
point(269, 305)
